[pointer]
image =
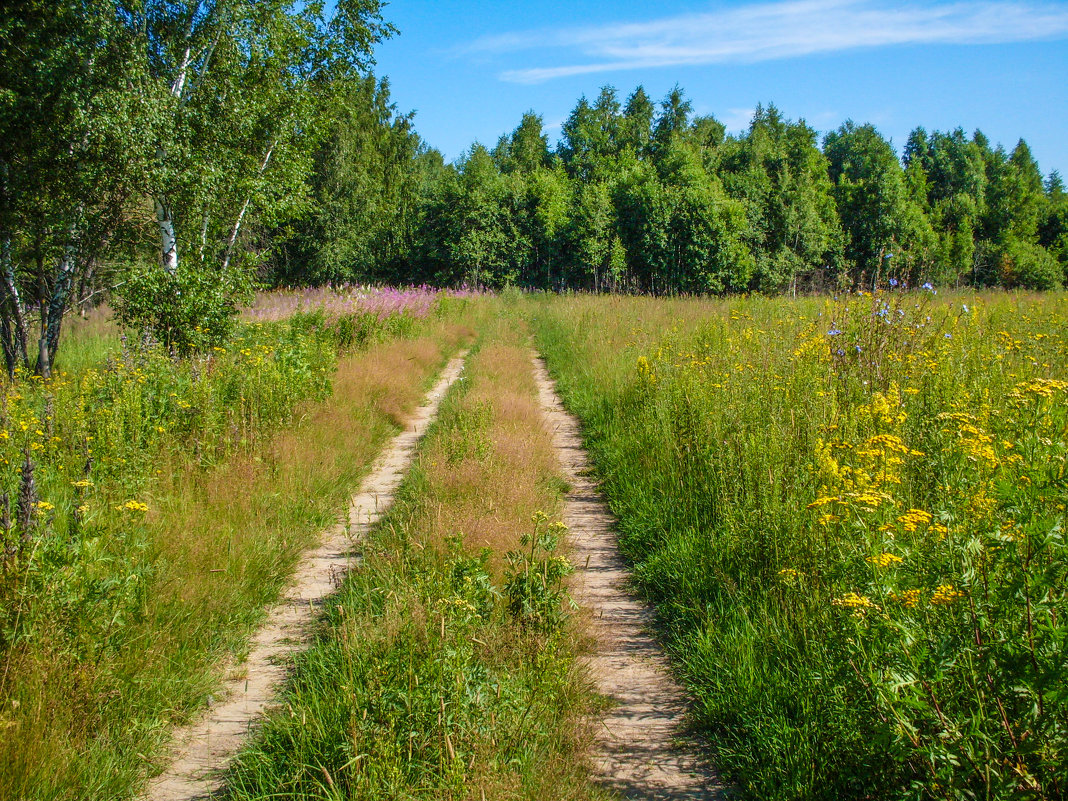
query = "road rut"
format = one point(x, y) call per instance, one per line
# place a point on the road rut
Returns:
point(204, 749)
point(641, 751)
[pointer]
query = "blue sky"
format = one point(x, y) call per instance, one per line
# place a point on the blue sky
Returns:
point(471, 69)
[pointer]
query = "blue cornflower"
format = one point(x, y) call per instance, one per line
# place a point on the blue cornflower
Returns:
point(834, 331)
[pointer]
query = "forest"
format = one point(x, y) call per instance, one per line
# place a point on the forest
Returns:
point(236, 143)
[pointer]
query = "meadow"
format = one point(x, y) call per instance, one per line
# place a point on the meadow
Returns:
point(153, 505)
point(849, 513)
point(446, 664)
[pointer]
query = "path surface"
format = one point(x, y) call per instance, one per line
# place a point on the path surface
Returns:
point(206, 748)
point(640, 751)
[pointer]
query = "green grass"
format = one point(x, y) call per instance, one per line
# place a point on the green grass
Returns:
point(201, 482)
point(764, 481)
point(441, 671)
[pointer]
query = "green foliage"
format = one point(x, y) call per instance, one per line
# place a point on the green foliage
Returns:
point(534, 580)
point(850, 518)
point(76, 570)
point(190, 310)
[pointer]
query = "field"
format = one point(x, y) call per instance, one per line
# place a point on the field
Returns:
point(848, 513)
point(850, 516)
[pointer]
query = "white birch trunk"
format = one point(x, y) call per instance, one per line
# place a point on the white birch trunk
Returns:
point(168, 239)
point(244, 208)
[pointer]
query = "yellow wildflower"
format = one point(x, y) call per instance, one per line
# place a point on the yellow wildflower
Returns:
point(885, 560)
point(945, 594)
point(852, 600)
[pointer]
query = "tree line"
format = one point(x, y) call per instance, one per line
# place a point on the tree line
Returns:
point(650, 198)
point(168, 154)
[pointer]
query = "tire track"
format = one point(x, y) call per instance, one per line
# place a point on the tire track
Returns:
point(205, 748)
point(641, 751)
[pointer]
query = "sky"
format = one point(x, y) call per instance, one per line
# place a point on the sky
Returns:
point(471, 69)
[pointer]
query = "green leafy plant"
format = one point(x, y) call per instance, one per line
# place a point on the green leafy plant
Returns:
point(189, 310)
point(534, 579)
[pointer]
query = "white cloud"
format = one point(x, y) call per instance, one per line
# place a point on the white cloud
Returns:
point(737, 119)
point(785, 29)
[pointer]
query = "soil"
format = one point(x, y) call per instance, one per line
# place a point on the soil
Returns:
point(204, 749)
point(641, 749)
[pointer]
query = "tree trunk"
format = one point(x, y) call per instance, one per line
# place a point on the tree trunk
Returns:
point(44, 362)
point(19, 332)
point(168, 239)
point(228, 253)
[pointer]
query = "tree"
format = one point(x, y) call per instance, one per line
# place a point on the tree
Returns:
point(365, 192)
point(636, 126)
point(72, 152)
point(777, 171)
point(528, 147)
point(887, 235)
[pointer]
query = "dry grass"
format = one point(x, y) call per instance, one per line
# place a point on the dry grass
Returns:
point(222, 543)
point(410, 692)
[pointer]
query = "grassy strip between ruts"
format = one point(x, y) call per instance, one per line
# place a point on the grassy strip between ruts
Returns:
point(445, 667)
point(218, 542)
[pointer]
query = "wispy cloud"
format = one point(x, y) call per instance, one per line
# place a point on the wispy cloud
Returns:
point(737, 119)
point(765, 31)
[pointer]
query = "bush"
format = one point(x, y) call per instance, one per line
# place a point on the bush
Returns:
point(189, 310)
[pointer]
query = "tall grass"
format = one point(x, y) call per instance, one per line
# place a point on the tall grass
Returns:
point(169, 500)
point(850, 515)
point(444, 670)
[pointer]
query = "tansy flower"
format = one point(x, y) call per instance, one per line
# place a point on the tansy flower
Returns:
point(945, 594)
point(885, 560)
point(852, 600)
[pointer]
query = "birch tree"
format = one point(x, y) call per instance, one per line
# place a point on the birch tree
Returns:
point(71, 155)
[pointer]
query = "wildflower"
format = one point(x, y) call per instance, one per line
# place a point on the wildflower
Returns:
point(945, 594)
point(852, 600)
point(133, 506)
point(82, 483)
point(885, 560)
point(44, 506)
point(914, 518)
point(822, 502)
point(893, 282)
point(927, 286)
point(82, 509)
point(835, 331)
point(908, 599)
point(789, 574)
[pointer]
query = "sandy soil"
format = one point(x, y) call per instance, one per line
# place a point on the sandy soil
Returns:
point(641, 751)
point(204, 749)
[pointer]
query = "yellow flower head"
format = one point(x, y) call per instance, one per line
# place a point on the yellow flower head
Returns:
point(945, 594)
point(852, 600)
point(885, 560)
